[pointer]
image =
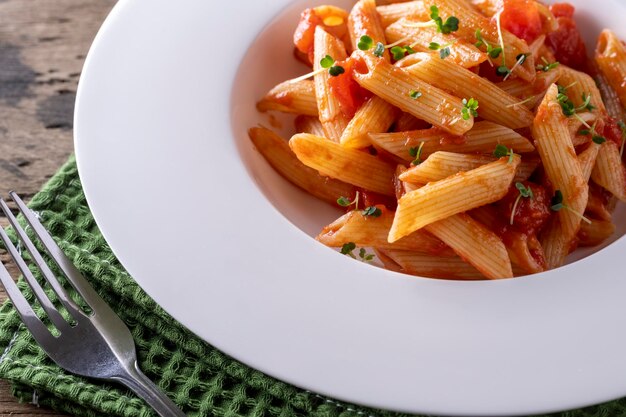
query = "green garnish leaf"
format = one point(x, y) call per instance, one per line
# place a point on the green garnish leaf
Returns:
point(524, 191)
point(415, 94)
point(503, 71)
point(434, 46)
point(521, 58)
point(556, 204)
point(502, 151)
point(344, 201)
point(397, 52)
point(470, 107)
point(451, 24)
point(372, 211)
point(336, 70)
point(365, 43)
point(327, 61)
point(416, 153)
point(546, 66)
point(585, 132)
point(444, 53)
point(598, 139)
point(348, 248)
point(379, 50)
point(492, 51)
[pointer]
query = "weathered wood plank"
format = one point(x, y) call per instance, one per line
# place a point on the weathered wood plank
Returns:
point(42, 49)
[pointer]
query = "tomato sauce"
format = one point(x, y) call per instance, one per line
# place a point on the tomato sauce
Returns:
point(348, 92)
point(522, 18)
point(567, 43)
point(613, 132)
point(531, 214)
point(304, 35)
point(370, 199)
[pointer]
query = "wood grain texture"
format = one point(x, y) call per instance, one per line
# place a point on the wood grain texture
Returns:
point(42, 49)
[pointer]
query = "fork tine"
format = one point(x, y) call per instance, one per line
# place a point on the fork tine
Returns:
point(71, 272)
point(69, 304)
point(45, 302)
point(37, 328)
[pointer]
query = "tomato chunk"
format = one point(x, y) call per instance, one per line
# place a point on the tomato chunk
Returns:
point(531, 214)
point(613, 132)
point(305, 32)
point(522, 18)
point(567, 43)
point(348, 92)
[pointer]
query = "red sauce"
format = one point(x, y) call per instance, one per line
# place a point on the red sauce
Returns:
point(348, 92)
point(522, 18)
point(567, 43)
point(305, 32)
point(531, 214)
point(613, 132)
point(447, 139)
point(370, 198)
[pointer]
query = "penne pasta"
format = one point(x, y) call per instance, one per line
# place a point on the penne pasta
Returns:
point(461, 53)
point(376, 115)
point(580, 86)
point(595, 233)
point(277, 153)
point(611, 59)
point(291, 97)
point(432, 267)
point(364, 20)
point(442, 164)
point(333, 120)
point(371, 231)
point(457, 194)
point(609, 172)
point(348, 165)
point(494, 104)
point(391, 13)
point(308, 124)
point(475, 244)
point(396, 86)
point(483, 138)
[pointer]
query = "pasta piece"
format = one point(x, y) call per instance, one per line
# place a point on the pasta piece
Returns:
point(487, 7)
point(482, 138)
point(471, 21)
point(475, 244)
point(395, 86)
point(461, 53)
point(291, 97)
point(555, 147)
point(609, 97)
point(348, 165)
point(442, 164)
point(407, 121)
point(609, 172)
point(308, 124)
point(462, 192)
point(376, 115)
point(333, 119)
point(611, 59)
point(578, 86)
point(432, 266)
point(276, 151)
point(364, 20)
point(524, 90)
point(368, 231)
point(393, 12)
point(595, 233)
point(494, 104)
point(388, 263)
point(587, 160)
point(524, 250)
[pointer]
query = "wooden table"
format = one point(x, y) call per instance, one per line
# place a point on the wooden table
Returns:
point(42, 49)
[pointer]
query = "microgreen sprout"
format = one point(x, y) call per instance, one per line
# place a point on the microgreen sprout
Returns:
point(365, 43)
point(399, 52)
point(349, 248)
point(470, 108)
point(524, 192)
point(346, 202)
point(444, 50)
point(502, 151)
point(595, 137)
point(416, 153)
point(547, 66)
point(372, 211)
point(451, 24)
point(492, 51)
point(557, 204)
point(414, 94)
point(327, 61)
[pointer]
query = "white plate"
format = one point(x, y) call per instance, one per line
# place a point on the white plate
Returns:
point(209, 231)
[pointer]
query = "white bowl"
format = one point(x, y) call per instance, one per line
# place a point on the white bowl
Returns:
point(224, 244)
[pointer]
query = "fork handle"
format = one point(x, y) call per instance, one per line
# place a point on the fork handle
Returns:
point(152, 394)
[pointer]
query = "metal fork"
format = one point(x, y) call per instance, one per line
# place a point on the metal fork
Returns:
point(96, 345)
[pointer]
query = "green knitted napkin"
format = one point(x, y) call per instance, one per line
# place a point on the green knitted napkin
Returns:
point(200, 379)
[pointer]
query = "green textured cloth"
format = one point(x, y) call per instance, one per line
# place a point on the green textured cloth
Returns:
point(199, 378)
